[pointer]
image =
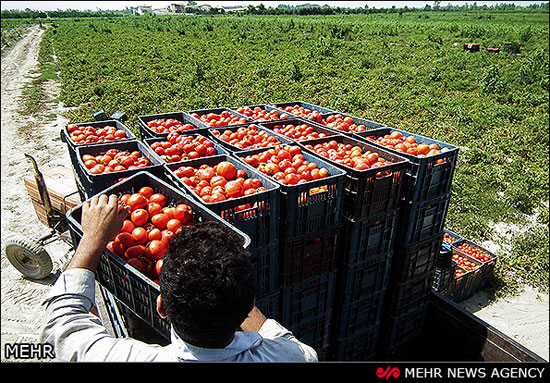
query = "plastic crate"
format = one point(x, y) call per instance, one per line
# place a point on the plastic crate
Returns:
point(365, 193)
point(303, 213)
point(443, 277)
point(466, 285)
point(305, 258)
point(129, 286)
point(417, 259)
point(368, 238)
point(368, 124)
point(396, 330)
point(363, 280)
point(307, 301)
point(149, 141)
point(182, 117)
point(202, 112)
point(71, 146)
point(231, 148)
point(306, 310)
point(266, 265)
point(486, 267)
point(307, 105)
point(95, 183)
point(360, 346)
point(426, 178)
point(265, 107)
point(452, 237)
point(356, 317)
point(256, 215)
point(422, 220)
point(271, 126)
point(404, 297)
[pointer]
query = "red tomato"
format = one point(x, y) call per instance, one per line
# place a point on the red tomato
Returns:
point(160, 220)
point(159, 198)
point(226, 169)
point(140, 235)
point(125, 239)
point(139, 217)
point(136, 201)
point(234, 189)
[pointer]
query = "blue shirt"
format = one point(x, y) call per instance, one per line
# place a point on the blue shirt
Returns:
point(78, 335)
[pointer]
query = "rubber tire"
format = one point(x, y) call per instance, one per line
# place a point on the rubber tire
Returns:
point(29, 258)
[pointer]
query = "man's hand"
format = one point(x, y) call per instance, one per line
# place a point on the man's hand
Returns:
point(254, 321)
point(101, 221)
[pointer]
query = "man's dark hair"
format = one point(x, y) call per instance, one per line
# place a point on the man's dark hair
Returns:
point(207, 284)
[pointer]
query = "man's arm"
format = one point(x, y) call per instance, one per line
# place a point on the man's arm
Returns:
point(101, 221)
point(254, 321)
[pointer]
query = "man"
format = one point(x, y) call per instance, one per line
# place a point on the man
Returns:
point(207, 291)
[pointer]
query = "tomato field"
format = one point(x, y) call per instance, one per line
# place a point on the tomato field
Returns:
point(407, 71)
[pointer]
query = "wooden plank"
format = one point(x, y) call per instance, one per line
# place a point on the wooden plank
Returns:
point(59, 190)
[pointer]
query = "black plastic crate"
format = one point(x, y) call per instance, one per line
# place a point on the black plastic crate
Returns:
point(395, 330)
point(367, 124)
point(404, 297)
point(232, 148)
point(487, 267)
point(305, 258)
point(266, 265)
point(184, 118)
point(265, 107)
point(443, 277)
point(428, 177)
point(355, 317)
point(360, 346)
point(367, 194)
point(420, 221)
point(95, 183)
point(202, 112)
point(303, 212)
point(314, 332)
point(363, 280)
point(417, 259)
point(368, 238)
point(256, 215)
point(149, 141)
point(129, 286)
point(307, 301)
point(467, 284)
point(71, 146)
point(271, 126)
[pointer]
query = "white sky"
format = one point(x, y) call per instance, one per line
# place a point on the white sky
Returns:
point(116, 5)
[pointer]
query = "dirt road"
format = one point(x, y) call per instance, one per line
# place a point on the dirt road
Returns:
point(524, 318)
point(21, 309)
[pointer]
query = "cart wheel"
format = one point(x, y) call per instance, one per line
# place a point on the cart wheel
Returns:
point(29, 258)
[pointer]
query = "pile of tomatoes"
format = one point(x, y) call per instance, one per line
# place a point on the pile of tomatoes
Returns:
point(246, 137)
point(178, 147)
point(167, 125)
point(465, 263)
point(298, 132)
point(349, 155)
point(84, 135)
point(474, 252)
point(287, 165)
point(260, 114)
point(300, 111)
point(220, 182)
point(447, 238)
point(114, 160)
point(344, 124)
point(147, 229)
point(225, 118)
point(407, 144)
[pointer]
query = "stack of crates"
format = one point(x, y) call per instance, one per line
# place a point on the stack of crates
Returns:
point(309, 229)
point(422, 213)
point(371, 202)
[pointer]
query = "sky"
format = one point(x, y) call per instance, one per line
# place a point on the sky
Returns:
point(119, 5)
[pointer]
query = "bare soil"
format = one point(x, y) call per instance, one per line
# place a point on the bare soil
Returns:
point(523, 317)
